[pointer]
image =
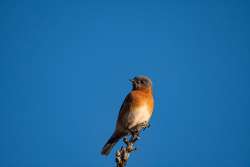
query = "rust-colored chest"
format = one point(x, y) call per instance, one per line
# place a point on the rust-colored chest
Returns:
point(141, 98)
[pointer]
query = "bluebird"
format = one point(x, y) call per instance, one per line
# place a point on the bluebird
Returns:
point(137, 108)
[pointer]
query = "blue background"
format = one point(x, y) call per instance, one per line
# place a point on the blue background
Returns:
point(64, 70)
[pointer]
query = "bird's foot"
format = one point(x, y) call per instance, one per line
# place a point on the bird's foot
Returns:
point(142, 126)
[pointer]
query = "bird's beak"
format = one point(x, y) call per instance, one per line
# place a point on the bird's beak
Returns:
point(132, 80)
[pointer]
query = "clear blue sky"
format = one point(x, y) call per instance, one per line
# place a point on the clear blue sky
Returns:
point(64, 70)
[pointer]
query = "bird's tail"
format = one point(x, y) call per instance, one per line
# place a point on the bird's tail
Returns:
point(111, 142)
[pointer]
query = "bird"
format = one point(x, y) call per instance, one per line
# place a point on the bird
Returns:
point(136, 109)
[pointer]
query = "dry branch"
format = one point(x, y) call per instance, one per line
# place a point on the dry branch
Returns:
point(122, 155)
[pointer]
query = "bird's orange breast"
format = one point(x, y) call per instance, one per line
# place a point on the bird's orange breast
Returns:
point(142, 98)
point(137, 108)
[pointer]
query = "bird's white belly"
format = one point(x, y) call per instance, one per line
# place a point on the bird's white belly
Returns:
point(139, 115)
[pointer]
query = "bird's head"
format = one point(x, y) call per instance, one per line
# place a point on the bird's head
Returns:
point(141, 83)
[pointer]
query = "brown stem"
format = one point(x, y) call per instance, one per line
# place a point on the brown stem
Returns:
point(122, 155)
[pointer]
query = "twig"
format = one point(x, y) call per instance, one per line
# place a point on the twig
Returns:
point(122, 155)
